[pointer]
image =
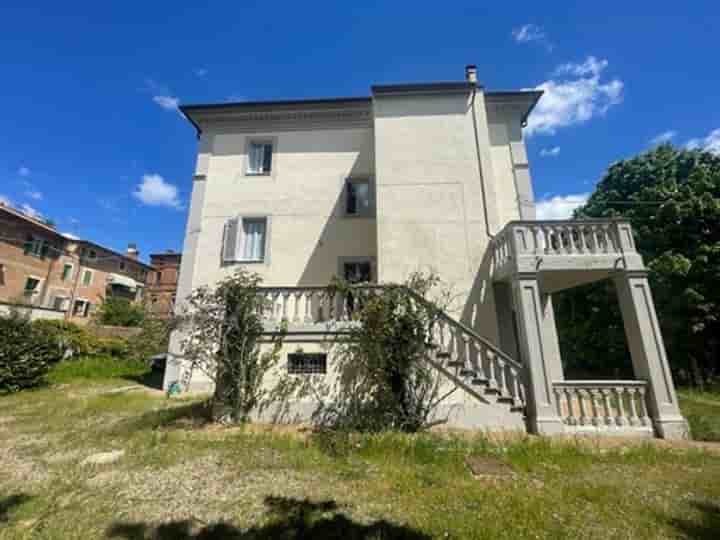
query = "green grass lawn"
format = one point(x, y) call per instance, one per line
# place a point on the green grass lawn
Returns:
point(181, 479)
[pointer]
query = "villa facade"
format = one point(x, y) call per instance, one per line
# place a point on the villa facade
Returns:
point(419, 177)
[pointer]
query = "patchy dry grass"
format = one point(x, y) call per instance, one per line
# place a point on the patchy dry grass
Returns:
point(180, 478)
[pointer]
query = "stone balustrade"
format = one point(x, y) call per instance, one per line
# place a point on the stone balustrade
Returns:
point(470, 356)
point(560, 244)
point(308, 307)
point(588, 406)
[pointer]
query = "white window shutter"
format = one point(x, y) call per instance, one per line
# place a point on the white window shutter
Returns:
point(230, 240)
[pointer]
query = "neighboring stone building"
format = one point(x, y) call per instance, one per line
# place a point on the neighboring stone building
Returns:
point(416, 177)
point(162, 283)
point(61, 276)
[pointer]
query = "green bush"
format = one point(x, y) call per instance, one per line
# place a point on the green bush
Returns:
point(71, 339)
point(152, 340)
point(120, 312)
point(26, 353)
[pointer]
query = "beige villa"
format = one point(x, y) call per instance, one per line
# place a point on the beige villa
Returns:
point(420, 177)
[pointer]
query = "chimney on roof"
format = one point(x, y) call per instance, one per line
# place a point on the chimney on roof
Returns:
point(471, 73)
point(132, 251)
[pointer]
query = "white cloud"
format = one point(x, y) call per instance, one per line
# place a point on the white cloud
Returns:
point(578, 95)
point(155, 191)
point(529, 33)
point(200, 72)
point(24, 171)
point(169, 103)
point(550, 152)
point(30, 211)
point(4, 199)
point(560, 206)
point(664, 137)
point(34, 194)
point(711, 143)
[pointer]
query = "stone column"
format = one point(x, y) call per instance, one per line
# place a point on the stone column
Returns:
point(550, 338)
point(648, 353)
point(538, 355)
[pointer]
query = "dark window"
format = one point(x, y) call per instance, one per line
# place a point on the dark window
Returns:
point(259, 158)
point(358, 198)
point(2, 274)
point(307, 363)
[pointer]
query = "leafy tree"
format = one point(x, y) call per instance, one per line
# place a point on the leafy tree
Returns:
point(671, 197)
point(117, 311)
point(223, 327)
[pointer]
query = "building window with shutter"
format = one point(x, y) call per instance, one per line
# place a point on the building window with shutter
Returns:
point(36, 247)
point(87, 278)
point(259, 158)
point(32, 287)
point(245, 239)
point(67, 272)
point(307, 363)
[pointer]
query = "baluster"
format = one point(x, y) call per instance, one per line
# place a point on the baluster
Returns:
point(517, 397)
point(633, 420)
point(308, 307)
point(570, 241)
point(296, 307)
point(536, 239)
point(581, 403)
point(342, 307)
point(642, 406)
point(502, 386)
point(274, 295)
point(480, 360)
point(620, 418)
point(606, 406)
point(546, 239)
point(492, 383)
point(466, 350)
point(571, 420)
point(581, 239)
point(594, 392)
point(331, 306)
point(606, 239)
point(285, 301)
point(558, 402)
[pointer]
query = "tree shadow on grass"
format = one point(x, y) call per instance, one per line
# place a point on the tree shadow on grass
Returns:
point(187, 416)
point(707, 528)
point(289, 518)
point(10, 502)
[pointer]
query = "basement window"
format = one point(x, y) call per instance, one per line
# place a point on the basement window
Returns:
point(307, 363)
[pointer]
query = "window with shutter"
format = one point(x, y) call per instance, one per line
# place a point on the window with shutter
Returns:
point(245, 239)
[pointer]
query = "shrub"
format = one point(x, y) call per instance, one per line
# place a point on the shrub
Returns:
point(385, 380)
point(71, 339)
point(120, 312)
point(222, 332)
point(26, 354)
point(152, 340)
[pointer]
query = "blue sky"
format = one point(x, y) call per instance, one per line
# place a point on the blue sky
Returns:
point(93, 141)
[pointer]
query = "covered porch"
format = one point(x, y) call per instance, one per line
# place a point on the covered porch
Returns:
point(531, 261)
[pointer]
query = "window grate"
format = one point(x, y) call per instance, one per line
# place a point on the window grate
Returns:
point(307, 363)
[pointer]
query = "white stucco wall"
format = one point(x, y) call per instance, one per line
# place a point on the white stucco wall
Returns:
point(303, 199)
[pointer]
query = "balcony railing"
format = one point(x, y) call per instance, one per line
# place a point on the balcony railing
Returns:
point(603, 406)
point(604, 240)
